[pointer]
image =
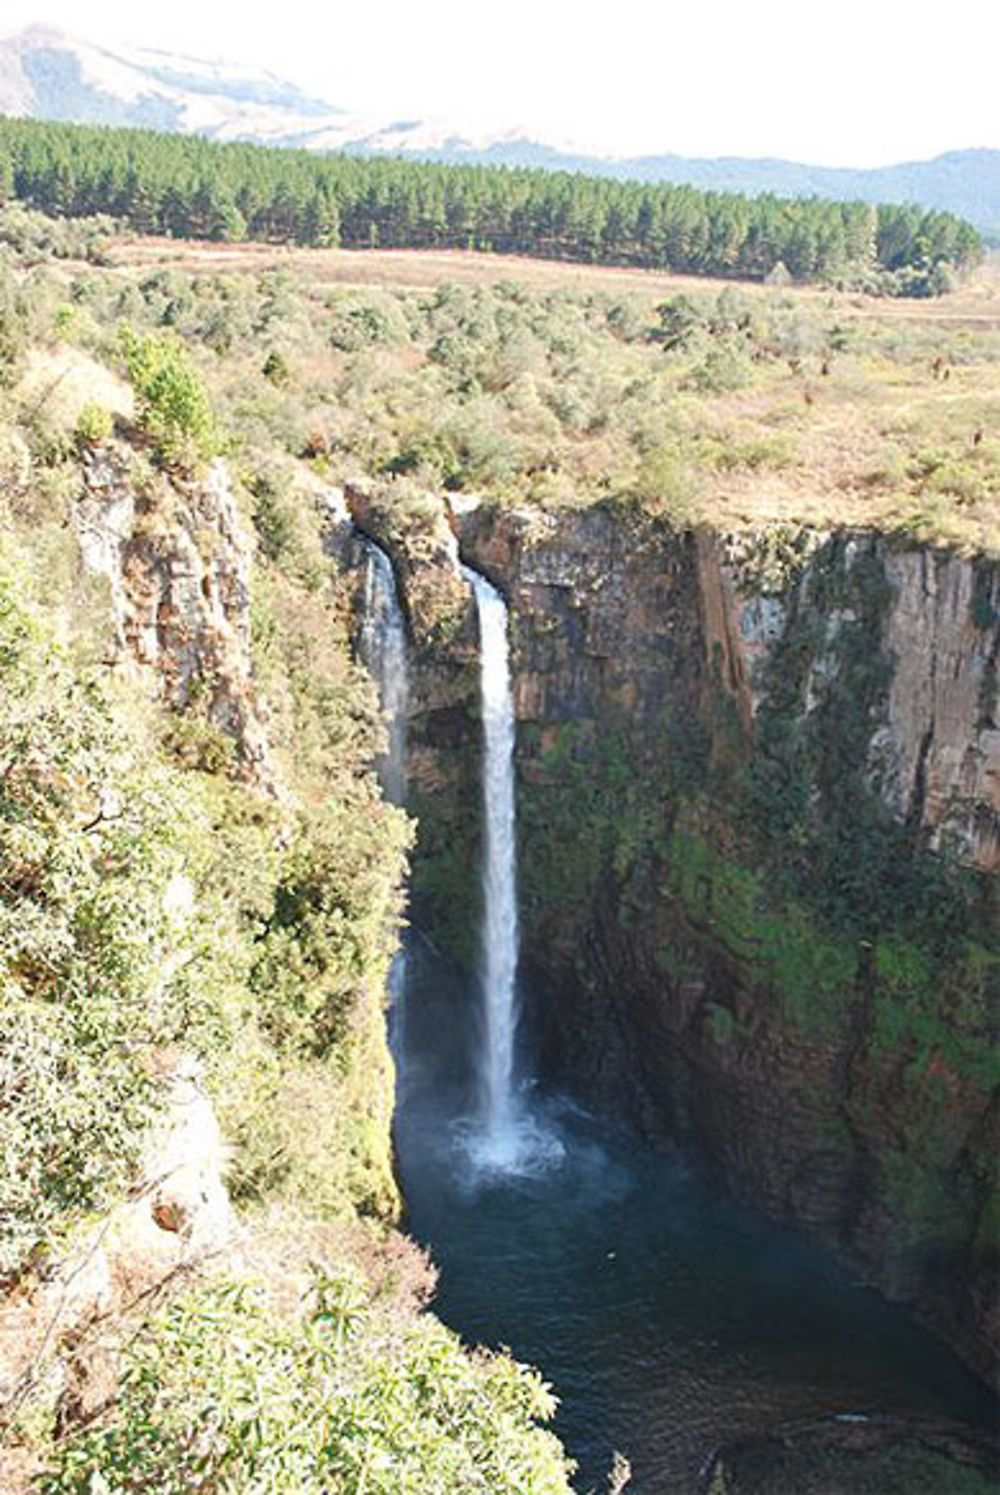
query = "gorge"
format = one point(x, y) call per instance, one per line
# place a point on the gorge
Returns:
point(671, 989)
point(681, 757)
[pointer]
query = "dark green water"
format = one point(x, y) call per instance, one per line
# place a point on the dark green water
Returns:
point(667, 1319)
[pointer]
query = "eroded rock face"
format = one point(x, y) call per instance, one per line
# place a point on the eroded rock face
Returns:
point(179, 565)
point(935, 753)
point(942, 740)
point(757, 828)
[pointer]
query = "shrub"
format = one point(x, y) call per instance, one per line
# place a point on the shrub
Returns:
point(275, 368)
point(325, 934)
point(173, 404)
point(370, 323)
point(223, 1392)
point(94, 425)
point(273, 513)
point(664, 483)
point(724, 367)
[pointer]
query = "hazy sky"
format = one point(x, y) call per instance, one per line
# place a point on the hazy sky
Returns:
point(856, 82)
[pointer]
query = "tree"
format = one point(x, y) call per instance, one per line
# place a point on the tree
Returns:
point(173, 405)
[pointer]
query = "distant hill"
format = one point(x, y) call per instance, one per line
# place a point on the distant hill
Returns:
point(46, 74)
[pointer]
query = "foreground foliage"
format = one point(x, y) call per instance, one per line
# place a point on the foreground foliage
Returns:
point(223, 1392)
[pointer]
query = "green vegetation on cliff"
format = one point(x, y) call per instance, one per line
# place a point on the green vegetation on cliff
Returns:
point(349, 1395)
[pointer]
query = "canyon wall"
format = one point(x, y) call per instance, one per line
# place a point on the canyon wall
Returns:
point(759, 818)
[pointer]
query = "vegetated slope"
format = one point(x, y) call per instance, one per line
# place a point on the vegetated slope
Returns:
point(46, 74)
point(201, 885)
point(736, 407)
point(184, 185)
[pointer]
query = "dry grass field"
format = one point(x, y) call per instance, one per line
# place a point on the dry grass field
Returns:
point(850, 411)
point(975, 305)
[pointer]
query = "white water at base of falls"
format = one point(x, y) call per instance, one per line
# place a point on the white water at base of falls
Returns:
point(504, 1137)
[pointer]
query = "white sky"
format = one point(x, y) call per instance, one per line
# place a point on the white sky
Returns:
point(853, 82)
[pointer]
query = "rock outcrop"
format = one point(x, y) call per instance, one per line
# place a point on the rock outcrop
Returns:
point(178, 563)
point(443, 737)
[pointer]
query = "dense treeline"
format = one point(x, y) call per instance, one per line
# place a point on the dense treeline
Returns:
point(185, 186)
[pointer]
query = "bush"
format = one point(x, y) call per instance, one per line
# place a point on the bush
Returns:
point(371, 323)
point(94, 426)
point(173, 404)
point(273, 512)
point(326, 932)
point(665, 483)
point(223, 1392)
point(275, 368)
point(724, 367)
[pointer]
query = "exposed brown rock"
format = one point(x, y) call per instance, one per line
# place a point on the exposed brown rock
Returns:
point(178, 562)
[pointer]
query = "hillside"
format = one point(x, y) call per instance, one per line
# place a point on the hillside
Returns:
point(47, 74)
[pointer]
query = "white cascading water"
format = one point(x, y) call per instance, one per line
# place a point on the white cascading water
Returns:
point(500, 931)
point(505, 1137)
point(383, 648)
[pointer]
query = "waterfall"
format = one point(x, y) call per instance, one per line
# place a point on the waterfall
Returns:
point(504, 1137)
point(383, 648)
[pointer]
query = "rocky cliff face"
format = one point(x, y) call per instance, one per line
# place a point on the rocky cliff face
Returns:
point(934, 751)
point(178, 564)
point(758, 823)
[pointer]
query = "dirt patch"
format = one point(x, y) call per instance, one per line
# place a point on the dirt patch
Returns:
point(59, 382)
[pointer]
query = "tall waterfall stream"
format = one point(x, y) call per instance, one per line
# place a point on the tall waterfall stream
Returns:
point(504, 1136)
point(668, 1319)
